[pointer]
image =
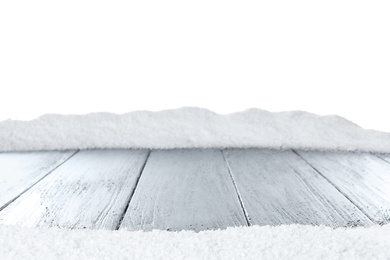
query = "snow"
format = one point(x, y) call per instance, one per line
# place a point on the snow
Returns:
point(190, 127)
point(282, 242)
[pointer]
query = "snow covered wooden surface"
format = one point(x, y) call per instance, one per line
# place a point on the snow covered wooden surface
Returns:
point(193, 189)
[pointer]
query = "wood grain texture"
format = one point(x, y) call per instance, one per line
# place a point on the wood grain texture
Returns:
point(362, 177)
point(19, 171)
point(385, 157)
point(91, 190)
point(278, 187)
point(184, 190)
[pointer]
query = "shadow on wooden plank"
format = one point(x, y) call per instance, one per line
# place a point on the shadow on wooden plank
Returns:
point(278, 187)
point(187, 189)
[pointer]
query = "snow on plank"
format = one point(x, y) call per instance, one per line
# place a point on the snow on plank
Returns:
point(184, 190)
point(362, 177)
point(20, 171)
point(91, 190)
point(278, 187)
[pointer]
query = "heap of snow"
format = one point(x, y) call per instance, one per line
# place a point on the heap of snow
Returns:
point(283, 242)
point(190, 128)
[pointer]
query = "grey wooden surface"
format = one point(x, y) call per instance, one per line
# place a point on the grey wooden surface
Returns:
point(184, 189)
point(278, 187)
point(193, 189)
point(19, 171)
point(91, 190)
point(362, 177)
point(385, 157)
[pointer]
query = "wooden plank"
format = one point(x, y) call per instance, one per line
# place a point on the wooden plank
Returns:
point(385, 157)
point(91, 190)
point(184, 190)
point(362, 177)
point(20, 170)
point(278, 187)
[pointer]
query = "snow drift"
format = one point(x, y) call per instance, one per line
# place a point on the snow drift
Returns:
point(284, 242)
point(190, 128)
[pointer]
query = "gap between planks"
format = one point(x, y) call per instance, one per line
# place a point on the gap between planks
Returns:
point(236, 188)
point(278, 187)
point(184, 189)
point(383, 159)
point(132, 193)
point(362, 177)
point(38, 181)
point(89, 191)
point(331, 183)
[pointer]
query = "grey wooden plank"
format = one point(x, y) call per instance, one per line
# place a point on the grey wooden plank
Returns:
point(91, 190)
point(278, 187)
point(20, 170)
point(385, 157)
point(362, 177)
point(184, 190)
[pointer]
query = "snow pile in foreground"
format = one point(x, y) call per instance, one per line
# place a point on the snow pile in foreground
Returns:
point(283, 242)
point(189, 128)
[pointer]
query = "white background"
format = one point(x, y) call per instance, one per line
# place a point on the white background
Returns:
point(75, 57)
